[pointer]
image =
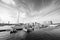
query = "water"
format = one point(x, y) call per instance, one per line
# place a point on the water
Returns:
point(4, 35)
point(21, 34)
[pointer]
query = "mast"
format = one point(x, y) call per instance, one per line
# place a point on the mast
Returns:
point(42, 3)
point(18, 15)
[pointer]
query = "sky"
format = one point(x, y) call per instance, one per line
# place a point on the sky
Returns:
point(29, 10)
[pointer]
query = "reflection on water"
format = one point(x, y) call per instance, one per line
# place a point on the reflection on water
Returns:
point(14, 36)
point(17, 36)
point(4, 35)
point(22, 34)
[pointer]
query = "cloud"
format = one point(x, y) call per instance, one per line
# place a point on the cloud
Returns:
point(10, 2)
point(7, 13)
point(33, 10)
